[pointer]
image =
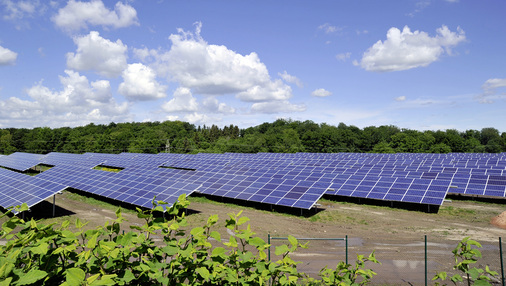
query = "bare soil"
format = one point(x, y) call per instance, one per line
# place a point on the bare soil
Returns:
point(396, 235)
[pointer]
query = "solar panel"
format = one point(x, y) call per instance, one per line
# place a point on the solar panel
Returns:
point(20, 161)
point(134, 189)
point(16, 189)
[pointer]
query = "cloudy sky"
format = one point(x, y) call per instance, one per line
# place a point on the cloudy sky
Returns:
point(421, 64)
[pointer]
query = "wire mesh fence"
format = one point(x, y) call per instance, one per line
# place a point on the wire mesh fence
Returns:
point(414, 263)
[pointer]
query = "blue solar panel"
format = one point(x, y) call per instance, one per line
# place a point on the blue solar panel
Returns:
point(16, 189)
point(20, 161)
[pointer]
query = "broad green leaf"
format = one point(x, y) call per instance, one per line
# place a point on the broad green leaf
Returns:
point(281, 249)
point(31, 277)
point(242, 220)
point(257, 241)
point(197, 231)
point(216, 235)
point(213, 219)
point(92, 242)
point(218, 251)
point(203, 272)
point(456, 278)
point(105, 280)
point(440, 275)
point(42, 248)
point(293, 241)
point(129, 276)
point(481, 283)
point(92, 279)
point(6, 282)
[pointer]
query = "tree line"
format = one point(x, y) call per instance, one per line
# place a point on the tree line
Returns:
point(280, 136)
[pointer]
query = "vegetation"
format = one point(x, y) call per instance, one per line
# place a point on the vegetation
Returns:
point(283, 136)
point(37, 254)
point(466, 255)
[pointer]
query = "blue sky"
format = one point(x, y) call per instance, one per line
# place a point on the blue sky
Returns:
point(424, 65)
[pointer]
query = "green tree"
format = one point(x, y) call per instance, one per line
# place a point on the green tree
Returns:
point(383, 147)
point(6, 147)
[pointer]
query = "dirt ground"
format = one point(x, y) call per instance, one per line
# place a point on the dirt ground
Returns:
point(396, 235)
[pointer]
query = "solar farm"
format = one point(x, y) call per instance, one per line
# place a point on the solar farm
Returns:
point(295, 181)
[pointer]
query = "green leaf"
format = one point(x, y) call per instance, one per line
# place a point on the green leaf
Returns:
point(197, 231)
point(92, 242)
point(481, 283)
point(42, 248)
point(293, 241)
point(242, 220)
point(257, 241)
point(218, 251)
point(216, 235)
point(6, 282)
point(440, 275)
point(456, 278)
point(281, 249)
point(203, 272)
point(74, 276)
point(105, 280)
point(31, 277)
point(129, 276)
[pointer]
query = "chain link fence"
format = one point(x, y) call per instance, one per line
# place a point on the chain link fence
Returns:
point(414, 263)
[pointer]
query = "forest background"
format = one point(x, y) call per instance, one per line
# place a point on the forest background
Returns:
point(280, 136)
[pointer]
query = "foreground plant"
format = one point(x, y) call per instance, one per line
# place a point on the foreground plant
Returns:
point(37, 254)
point(466, 254)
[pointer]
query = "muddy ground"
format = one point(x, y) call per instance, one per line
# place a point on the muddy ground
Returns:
point(396, 235)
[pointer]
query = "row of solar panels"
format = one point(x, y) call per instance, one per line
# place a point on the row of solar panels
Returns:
point(293, 180)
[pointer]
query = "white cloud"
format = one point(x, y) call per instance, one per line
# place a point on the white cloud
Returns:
point(212, 69)
point(272, 90)
point(404, 49)
point(321, 92)
point(15, 10)
point(7, 57)
point(277, 107)
point(78, 15)
point(329, 29)
point(490, 90)
point(139, 83)
point(199, 119)
point(79, 102)
point(400, 98)
point(98, 54)
point(183, 101)
point(291, 79)
point(211, 104)
point(343, 56)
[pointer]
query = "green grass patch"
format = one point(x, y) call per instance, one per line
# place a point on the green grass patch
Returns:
point(107, 169)
point(94, 202)
point(456, 212)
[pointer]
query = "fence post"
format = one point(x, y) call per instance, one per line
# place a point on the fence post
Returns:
point(502, 266)
point(425, 260)
point(346, 249)
point(269, 243)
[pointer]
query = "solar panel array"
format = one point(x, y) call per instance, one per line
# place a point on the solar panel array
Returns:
point(20, 161)
point(16, 189)
point(294, 180)
point(136, 190)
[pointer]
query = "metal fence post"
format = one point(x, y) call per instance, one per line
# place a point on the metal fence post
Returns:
point(269, 243)
point(502, 266)
point(346, 249)
point(425, 260)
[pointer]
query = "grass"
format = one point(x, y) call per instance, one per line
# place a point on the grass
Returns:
point(95, 202)
point(456, 212)
point(108, 169)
